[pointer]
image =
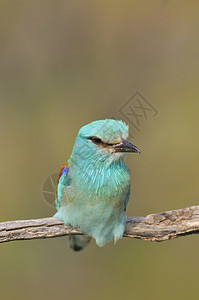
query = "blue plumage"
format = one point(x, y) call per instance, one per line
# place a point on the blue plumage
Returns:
point(65, 171)
point(93, 187)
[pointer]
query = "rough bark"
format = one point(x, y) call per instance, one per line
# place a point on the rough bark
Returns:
point(154, 227)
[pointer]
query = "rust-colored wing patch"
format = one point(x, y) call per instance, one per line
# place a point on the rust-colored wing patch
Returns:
point(64, 169)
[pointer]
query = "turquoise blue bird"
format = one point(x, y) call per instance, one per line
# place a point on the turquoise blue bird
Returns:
point(93, 187)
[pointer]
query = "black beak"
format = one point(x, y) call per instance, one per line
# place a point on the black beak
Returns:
point(125, 146)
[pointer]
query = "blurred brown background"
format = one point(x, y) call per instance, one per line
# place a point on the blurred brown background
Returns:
point(64, 64)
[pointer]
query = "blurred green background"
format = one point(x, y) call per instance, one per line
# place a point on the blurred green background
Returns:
point(64, 64)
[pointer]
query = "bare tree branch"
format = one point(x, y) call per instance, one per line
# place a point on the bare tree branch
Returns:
point(154, 227)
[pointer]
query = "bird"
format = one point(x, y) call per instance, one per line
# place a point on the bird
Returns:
point(93, 186)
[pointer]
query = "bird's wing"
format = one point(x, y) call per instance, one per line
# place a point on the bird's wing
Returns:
point(62, 182)
point(127, 199)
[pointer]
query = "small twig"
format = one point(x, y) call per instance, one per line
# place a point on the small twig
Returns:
point(155, 227)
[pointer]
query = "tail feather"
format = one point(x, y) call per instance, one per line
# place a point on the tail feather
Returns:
point(78, 242)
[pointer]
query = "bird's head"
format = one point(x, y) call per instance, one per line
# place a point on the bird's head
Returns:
point(103, 140)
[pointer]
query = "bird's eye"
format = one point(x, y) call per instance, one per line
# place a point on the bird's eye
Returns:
point(96, 140)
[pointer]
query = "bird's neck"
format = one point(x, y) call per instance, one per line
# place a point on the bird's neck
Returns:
point(100, 177)
point(96, 162)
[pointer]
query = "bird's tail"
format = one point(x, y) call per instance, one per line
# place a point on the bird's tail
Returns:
point(78, 242)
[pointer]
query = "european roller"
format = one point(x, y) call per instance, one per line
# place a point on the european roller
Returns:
point(93, 186)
